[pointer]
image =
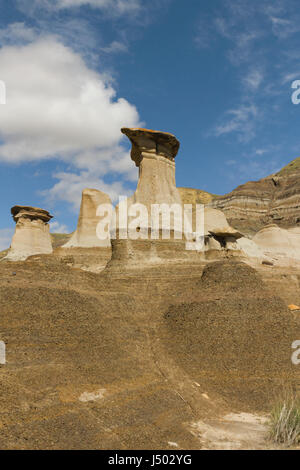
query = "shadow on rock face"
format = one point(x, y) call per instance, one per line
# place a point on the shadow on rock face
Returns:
point(235, 337)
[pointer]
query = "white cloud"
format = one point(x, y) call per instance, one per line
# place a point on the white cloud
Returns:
point(115, 47)
point(254, 170)
point(242, 121)
point(5, 238)
point(254, 79)
point(290, 77)
point(70, 186)
point(17, 33)
point(283, 28)
point(59, 108)
point(56, 105)
point(112, 6)
point(261, 152)
point(57, 227)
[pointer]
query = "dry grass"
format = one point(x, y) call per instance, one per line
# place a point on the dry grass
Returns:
point(285, 422)
point(292, 167)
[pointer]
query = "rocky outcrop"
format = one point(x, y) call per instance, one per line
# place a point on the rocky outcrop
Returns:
point(279, 243)
point(154, 153)
point(275, 199)
point(85, 236)
point(32, 235)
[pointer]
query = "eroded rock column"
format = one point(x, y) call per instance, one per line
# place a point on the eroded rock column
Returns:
point(85, 236)
point(154, 154)
point(32, 234)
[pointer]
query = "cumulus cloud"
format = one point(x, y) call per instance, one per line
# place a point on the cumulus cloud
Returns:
point(56, 105)
point(70, 186)
point(59, 108)
point(16, 33)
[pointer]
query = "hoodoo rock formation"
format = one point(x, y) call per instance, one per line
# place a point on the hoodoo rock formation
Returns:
point(31, 235)
point(274, 199)
point(154, 153)
point(85, 236)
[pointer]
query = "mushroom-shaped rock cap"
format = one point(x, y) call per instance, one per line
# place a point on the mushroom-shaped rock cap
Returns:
point(30, 213)
point(149, 141)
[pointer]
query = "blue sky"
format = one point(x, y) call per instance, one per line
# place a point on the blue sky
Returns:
point(217, 74)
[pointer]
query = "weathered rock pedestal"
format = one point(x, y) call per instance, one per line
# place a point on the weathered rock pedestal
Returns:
point(32, 235)
point(85, 249)
point(154, 154)
point(85, 236)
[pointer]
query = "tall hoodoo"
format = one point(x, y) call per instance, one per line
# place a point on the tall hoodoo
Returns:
point(154, 153)
point(176, 242)
point(32, 235)
point(85, 236)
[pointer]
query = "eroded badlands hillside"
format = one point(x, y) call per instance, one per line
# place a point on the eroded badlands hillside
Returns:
point(140, 360)
point(145, 343)
point(251, 206)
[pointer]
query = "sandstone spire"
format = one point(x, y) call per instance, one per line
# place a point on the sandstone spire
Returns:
point(32, 235)
point(154, 153)
point(85, 235)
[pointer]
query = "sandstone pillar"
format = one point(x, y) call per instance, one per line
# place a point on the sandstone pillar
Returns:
point(85, 236)
point(32, 235)
point(154, 154)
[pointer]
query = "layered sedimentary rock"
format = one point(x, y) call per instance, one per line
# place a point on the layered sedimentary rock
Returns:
point(31, 235)
point(255, 204)
point(85, 236)
point(154, 153)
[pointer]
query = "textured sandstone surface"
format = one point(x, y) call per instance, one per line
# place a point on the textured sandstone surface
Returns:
point(278, 242)
point(85, 235)
point(31, 235)
point(154, 153)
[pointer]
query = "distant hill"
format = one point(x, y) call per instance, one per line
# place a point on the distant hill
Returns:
point(195, 196)
point(292, 167)
point(274, 199)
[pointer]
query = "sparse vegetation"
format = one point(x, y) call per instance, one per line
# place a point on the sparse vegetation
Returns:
point(292, 167)
point(59, 239)
point(285, 422)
